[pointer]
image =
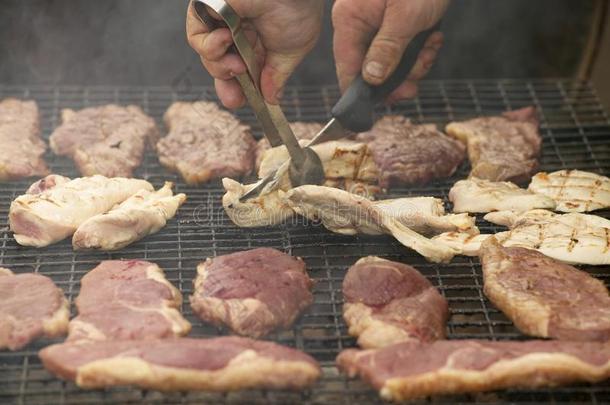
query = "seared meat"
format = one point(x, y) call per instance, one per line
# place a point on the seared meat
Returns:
point(477, 195)
point(109, 140)
point(181, 364)
point(544, 297)
point(570, 238)
point(501, 148)
point(573, 190)
point(349, 214)
point(127, 299)
point(411, 154)
point(252, 292)
point(140, 215)
point(205, 142)
point(55, 213)
point(301, 130)
point(412, 369)
point(31, 306)
point(21, 149)
point(387, 302)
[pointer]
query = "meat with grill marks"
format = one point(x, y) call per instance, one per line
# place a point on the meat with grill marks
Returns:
point(544, 297)
point(301, 130)
point(252, 292)
point(31, 306)
point(21, 148)
point(387, 302)
point(205, 142)
point(501, 148)
point(109, 140)
point(127, 299)
point(225, 363)
point(411, 154)
point(413, 369)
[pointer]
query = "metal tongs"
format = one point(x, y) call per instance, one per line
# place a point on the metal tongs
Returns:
point(352, 113)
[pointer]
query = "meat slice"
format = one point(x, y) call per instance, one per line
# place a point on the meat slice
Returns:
point(55, 213)
point(252, 292)
point(387, 302)
point(31, 305)
point(571, 238)
point(109, 140)
point(21, 148)
point(140, 215)
point(573, 190)
point(413, 369)
point(411, 154)
point(477, 195)
point(543, 297)
point(127, 299)
point(218, 364)
point(349, 214)
point(501, 148)
point(47, 183)
point(205, 142)
point(301, 130)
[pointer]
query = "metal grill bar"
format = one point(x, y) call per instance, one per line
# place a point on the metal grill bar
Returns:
point(576, 132)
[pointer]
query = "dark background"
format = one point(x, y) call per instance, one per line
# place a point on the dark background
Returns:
point(137, 42)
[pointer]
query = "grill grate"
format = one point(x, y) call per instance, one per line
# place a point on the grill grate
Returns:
point(576, 133)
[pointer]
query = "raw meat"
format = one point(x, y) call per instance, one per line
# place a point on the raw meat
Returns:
point(218, 364)
point(31, 306)
point(543, 297)
point(301, 130)
point(21, 148)
point(140, 215)
point(477, 195)
point(411, 154)
point(412, 369)
point(501, 148)
point(387, 302)
point(205, 142)
point(573, 190)
point(252, 292)
point(55, 213)
point(109, 140)
point(127, 299)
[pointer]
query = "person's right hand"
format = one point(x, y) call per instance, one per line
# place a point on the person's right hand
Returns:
point(281, 32)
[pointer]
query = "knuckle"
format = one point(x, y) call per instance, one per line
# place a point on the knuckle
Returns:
point(386, 49)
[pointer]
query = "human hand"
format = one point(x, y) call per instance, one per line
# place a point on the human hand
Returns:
point(371, 36)
point(281, 33)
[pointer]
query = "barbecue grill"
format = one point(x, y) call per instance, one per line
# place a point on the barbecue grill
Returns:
point(576, 133)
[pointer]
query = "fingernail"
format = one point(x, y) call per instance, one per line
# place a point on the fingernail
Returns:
point(375, 69)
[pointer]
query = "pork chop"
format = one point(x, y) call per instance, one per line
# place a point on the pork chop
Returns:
point(501, 148)
point(573, 190)
point(477, 195)
point(31, 306)
point(109, 140)
point(413, 369)
point(205, 142)
point(127, 299)
point(21, 148)
point(56, 212)
point(387, 302)
point(411, 154)
point(543, 297)
point(301, 130)
point(225, 363)
point(140, 215)
point(252, 292)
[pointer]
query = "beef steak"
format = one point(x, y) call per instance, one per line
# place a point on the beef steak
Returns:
point(252, 292)
point(387, 302)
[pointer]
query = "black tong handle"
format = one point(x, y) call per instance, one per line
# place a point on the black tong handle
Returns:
point(354, 110)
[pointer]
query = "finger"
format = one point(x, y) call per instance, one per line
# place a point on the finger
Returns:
point(212, 46)
point(406, 90)
point(225, 68)
point(352, 36)
point(425, 59)
point(230, 93)
point(275, 73)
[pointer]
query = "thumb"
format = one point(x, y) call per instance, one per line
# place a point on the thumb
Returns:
point(277, 69)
